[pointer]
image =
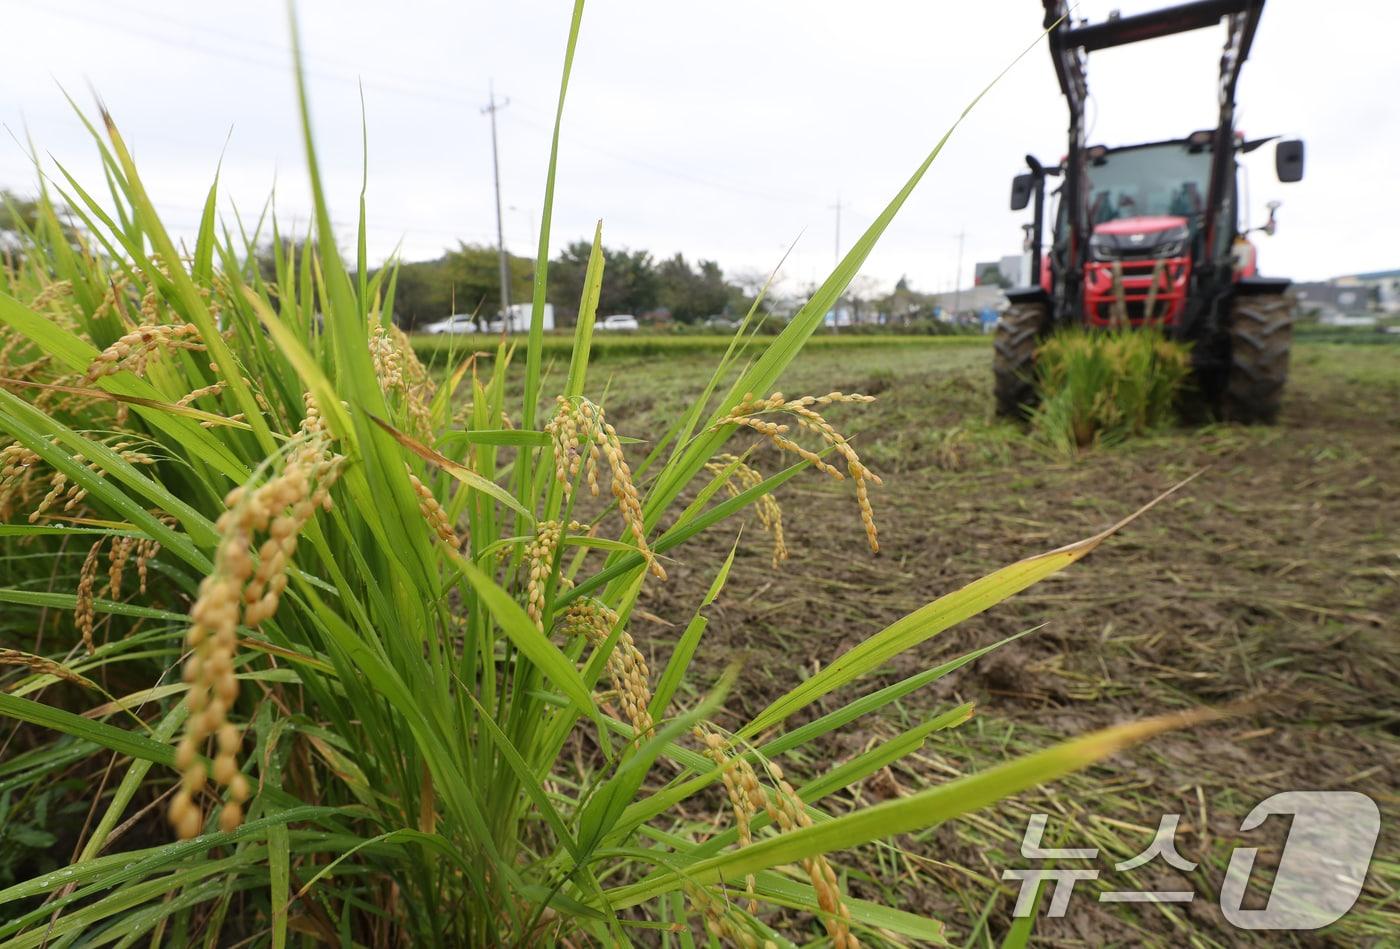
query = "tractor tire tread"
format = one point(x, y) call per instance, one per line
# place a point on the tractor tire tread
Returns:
point(1261, 338)
point(1013, 358)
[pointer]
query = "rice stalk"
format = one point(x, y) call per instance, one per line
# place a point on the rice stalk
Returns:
point(748, 414)
point(251, 590)
point(738, 475)
point(1099, 388)
point(44, 666)
point(439, 688)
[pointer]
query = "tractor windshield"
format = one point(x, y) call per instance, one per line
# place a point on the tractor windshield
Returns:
point(1155, 180)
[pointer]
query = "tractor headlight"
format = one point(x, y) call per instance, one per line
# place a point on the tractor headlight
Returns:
point(1102, 247)
point(1173, 244)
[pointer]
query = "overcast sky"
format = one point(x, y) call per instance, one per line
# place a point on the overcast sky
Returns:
point(723, 130)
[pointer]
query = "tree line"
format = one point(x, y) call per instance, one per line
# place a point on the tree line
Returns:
point(467, 280)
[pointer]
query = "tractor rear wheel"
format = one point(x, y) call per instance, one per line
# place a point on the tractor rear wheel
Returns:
point(1013, 360)
point(1261, 335)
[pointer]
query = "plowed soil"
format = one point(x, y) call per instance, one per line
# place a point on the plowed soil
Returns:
point(1270, 585)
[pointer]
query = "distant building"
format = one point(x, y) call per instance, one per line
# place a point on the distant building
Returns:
point(1384, 287)
point(1326, 300)
point(969, 301)
point(844, 315)
point(1013, 267)
point(1350, 297)
point(1008, 269)
point(520, 314)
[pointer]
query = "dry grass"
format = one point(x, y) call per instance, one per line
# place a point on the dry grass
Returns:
point(1272, 576)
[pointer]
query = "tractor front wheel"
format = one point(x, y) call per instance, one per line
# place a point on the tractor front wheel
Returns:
point(1013, 360)
point(1261, 335)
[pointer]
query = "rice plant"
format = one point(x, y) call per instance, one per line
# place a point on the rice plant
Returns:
point(1098, 387)
point(338, 648)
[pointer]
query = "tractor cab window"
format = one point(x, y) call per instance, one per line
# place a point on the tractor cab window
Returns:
point(1146, 182)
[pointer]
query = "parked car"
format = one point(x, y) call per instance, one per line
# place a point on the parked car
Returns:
point(456, 323)
point(619, 321)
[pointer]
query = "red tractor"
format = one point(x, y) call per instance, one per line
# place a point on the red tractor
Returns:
point(1150, 234)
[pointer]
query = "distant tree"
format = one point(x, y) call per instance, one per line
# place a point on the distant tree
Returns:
point(475, 275)
point(17, 216)
point(748, 283)
point(902, 304)
point(566, 274)
point(465, 280)
point(630, 281)
point(744, 287)
point(693, 295)
point(423, 293)
point(862, 295)
point(993, 277)
point(20, 216)
point(292, 251)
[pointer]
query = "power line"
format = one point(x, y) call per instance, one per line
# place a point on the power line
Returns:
point(394, 87)
point(275, 55)
point(790, 198)
point(403, 88)
point(419, 93)
point(284, 51)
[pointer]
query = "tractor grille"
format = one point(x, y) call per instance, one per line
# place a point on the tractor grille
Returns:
point(1101, 294)
point(1165, 244)
point(1136, 310)
point(1127, 252)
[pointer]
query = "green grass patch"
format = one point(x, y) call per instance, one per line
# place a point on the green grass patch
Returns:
point(1352, 335)
point(434, 349)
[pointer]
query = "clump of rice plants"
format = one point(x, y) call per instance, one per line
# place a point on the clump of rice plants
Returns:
point(377, 674)
point(1098, 387)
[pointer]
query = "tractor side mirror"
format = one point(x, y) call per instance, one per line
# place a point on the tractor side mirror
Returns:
point(1021, 188)
point(1288, 160)
point(1271, 225)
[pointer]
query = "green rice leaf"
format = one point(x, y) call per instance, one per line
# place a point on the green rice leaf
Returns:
point(902, 815)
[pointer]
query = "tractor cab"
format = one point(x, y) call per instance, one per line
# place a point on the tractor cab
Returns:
point(1146, 212)
point(1145, 209)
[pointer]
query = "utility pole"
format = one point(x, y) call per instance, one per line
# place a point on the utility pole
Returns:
point(491, 110)
point(957, 281)
point(836, 260)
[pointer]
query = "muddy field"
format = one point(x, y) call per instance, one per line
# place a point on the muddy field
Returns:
point(1272, 579)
